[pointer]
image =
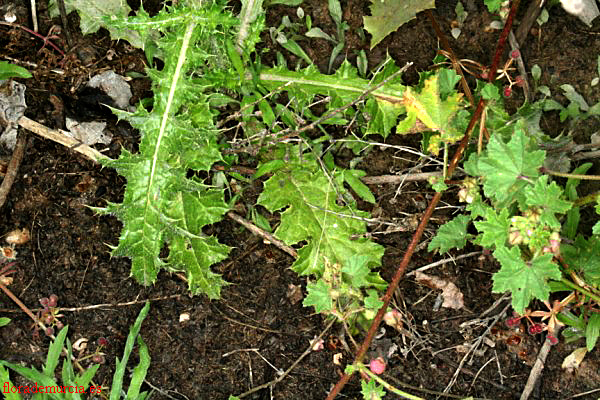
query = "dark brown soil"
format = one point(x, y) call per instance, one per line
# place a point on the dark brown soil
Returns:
point(258, 328)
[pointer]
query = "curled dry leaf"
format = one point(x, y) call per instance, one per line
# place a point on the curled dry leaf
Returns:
point(573, 360)
point(183, 317)
point(294, 293)
point(18, 236)
point(80, 344)
point(337, 359)
point(453, 297)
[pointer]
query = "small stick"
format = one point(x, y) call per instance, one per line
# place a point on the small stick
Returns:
point(105, 305)
point(531, 15)
point(444, 261)
point(421, 176)
point(34, 16)
point(287, 371)
point(62, 138)
point(13, 167)
point(65, 21)
point(538, 367)
point(262, 233)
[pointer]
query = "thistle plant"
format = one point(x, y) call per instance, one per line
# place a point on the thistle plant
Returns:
point(527, 220)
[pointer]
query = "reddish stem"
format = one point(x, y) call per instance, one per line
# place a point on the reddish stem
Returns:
point(45, 39)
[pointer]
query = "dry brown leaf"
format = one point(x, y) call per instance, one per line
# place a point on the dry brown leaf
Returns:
point(453, 297)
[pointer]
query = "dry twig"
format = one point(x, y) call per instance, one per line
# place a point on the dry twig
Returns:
point(13, 167)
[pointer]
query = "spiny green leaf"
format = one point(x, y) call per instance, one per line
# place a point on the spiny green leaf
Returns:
point(383, 105)
point(92, 17)
point(525, 281)
point(6, 379)
point(389, 15)
point(453, 234)
point(313, 215)
point(161, 205)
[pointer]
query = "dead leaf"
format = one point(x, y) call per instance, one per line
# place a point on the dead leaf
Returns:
point(573, 360)
point(453, 297)
point(294, 293)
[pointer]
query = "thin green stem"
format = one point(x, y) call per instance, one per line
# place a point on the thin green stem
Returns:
point(386, 385)
point(578, 288)
point(573, 176)
point(590, 198)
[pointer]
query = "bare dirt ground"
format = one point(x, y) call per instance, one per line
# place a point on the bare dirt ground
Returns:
point(234, 344)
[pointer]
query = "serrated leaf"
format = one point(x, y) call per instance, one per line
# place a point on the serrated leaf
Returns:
point(372, 301)
point(507, 166)
point(192, 253)
point(453, 234)
point(490, 92)
point(447, 80)
point(387, 16)
point(8, 395)
point(383, 105)
point(494, 229)
point(318, 296)
point(371, 390)
point(525, 281)
point(548, 198)
point(162, 205)
point(428, 109)
point(313, 215)
point(92, 16)
point(356, 270)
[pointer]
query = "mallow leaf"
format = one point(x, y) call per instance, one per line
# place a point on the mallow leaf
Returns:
point(507, 168)
point(525, 280)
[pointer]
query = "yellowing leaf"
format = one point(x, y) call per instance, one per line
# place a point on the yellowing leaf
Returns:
point(427, 108)
point(389, 15)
